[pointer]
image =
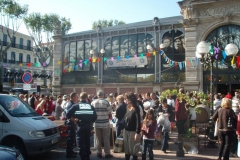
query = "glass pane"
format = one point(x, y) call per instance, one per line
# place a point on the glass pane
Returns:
point(132, 45)
point(107, 54)
point(124, 46)
point(149, 78)
point(72, 58)
point(80, 55)
point(149, 41)
point(94, 57)
point(235, 78)
point(66, 56)
point(110, 79)
point(115, 47)
point(89, 79)
point(141, 47)
point(86, 64)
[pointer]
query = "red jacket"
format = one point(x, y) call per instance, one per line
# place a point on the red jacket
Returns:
point(180, 110)
point(238, 125)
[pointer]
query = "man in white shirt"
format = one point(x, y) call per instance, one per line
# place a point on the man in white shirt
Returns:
point(64, 102)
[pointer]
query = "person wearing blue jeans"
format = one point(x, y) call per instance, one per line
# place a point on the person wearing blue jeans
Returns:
point(147, 145)
point(148, 130)
point(164, 141)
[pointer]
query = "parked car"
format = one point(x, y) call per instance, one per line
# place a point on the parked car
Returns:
point(8, 153)
point(22, 128)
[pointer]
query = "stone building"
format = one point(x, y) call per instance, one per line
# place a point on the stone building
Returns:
point(133, 60)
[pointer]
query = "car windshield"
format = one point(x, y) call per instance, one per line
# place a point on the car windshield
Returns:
point(17, 107)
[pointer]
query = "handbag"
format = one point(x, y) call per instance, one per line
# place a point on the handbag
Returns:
point(231, 123)
point(158, 136)
point(118, 145)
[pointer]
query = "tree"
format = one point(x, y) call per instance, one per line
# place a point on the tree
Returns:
point(41, 29)
point(106, 23)
point(11, 17)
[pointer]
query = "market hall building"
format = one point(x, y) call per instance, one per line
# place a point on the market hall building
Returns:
point(128, 57)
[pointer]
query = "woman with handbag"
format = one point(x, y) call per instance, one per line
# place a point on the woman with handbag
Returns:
point(148, 130)
point(132, 126)
point(226, 127)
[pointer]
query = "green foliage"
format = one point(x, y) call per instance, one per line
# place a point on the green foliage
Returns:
point(11, 17)
point(106, 23)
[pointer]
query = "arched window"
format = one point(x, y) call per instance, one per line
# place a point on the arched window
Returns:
point(13, 57)
point(219, 38)
point(28, 60)
point(20, 58)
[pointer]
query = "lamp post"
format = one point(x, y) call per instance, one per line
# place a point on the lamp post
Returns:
point(155, 23)
point(100, 64)
point(102, 51)
point(205, 57)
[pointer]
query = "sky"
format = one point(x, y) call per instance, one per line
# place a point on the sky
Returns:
point(83, 13)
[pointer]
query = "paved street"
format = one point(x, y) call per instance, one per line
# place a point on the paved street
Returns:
point(204, 153)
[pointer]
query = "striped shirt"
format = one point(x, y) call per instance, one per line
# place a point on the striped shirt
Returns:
point(103, 109)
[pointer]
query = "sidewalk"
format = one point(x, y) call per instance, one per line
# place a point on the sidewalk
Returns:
point(204, 153)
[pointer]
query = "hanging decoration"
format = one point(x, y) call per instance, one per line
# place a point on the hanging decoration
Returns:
point(44, 64)
point(59, 62)
point(57, 72)
point(29, 64)
point(118, 58)
point(36, 64)
point(64, 71)
point(20, 64)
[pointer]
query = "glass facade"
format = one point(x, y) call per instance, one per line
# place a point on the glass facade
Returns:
point(77, 57)
point(225, 70)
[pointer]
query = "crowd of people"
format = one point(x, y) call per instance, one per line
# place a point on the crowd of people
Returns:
point(138, 117)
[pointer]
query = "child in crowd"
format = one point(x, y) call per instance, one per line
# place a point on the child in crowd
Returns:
point(148, 131)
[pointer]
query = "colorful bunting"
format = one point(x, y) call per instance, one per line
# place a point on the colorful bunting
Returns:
point(64, 71)
point(44, 64)
point(57, 72)
point(98, 59)
point(20, 64)
point(59, 62)
point(135, 55)
point(118, 58)
point(127, 56)
point(29, 64)
point(104, 59)
point(36, 64)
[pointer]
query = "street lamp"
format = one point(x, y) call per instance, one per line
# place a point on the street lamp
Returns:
point(100, 64)
point(155, 23)
point(205, 57)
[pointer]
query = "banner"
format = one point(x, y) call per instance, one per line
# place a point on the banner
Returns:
point(130, 62)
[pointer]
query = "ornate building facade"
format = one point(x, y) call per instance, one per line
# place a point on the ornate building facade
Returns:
point(133, 60)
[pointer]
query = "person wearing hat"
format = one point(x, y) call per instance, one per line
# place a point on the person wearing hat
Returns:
point(102, 125)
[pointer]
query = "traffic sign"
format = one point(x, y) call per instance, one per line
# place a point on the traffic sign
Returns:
point(27, 87)
point(27, 77)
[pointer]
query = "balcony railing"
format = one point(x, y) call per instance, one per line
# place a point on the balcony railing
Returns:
point(14, 45)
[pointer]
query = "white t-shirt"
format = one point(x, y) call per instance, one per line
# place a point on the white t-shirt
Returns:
point(192, 110)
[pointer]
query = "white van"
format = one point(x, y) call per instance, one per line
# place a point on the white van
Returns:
point(24, 129)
